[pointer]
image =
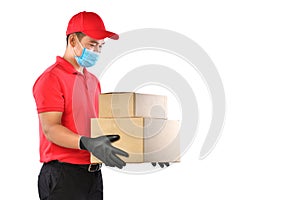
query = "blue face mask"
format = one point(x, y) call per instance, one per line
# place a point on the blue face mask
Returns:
point(88, 58)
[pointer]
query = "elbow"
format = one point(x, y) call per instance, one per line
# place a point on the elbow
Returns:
point(50, 122)
point(47, 130)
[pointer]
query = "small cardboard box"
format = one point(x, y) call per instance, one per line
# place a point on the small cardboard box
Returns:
point(144, 139)
point(130, 104)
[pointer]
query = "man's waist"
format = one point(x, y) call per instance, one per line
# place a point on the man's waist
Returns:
point(93, 167)
point(49, 152)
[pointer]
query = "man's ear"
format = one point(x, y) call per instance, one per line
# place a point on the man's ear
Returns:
point(72, 40)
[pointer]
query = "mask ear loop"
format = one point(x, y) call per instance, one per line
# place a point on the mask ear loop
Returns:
point(83, 49)
point(81, 68)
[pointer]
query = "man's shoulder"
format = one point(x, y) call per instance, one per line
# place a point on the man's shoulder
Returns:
point(49, 72)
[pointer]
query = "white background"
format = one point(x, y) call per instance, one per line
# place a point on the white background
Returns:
point(255, 47)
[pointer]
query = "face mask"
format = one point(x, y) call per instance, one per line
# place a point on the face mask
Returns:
point(88, 58)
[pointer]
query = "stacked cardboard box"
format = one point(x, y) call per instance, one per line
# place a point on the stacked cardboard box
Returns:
point(141, 121)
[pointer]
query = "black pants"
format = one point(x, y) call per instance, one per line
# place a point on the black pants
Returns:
point(60, 181)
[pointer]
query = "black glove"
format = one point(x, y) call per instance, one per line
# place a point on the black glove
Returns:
point(161, 164)
point(101, 148)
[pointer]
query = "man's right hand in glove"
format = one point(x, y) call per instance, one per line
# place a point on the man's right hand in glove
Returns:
point(101, 148)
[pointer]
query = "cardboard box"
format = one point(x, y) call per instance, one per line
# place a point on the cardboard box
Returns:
point(130, 104)
point(144, 139)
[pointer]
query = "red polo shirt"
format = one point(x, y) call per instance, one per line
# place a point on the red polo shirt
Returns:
point(61, 88)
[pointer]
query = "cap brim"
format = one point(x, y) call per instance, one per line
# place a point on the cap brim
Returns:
point(113, 36)
point(99, 35)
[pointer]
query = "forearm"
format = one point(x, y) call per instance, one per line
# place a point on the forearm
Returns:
point(62, 136)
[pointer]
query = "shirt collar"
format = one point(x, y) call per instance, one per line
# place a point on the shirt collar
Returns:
point(68, 67)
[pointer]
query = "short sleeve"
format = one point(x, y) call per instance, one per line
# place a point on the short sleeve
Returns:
point(48, 94)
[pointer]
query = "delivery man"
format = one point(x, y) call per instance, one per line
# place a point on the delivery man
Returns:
point(66, 96)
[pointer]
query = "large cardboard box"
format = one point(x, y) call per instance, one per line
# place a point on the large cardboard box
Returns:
point(130, 104)
point(145, 139)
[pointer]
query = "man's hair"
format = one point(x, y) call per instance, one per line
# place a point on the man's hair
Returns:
point(79, 35)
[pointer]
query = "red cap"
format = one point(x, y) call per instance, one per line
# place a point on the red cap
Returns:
point(90, 24)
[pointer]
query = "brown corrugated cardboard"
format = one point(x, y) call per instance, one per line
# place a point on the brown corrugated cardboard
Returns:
point(145, 139)
point(130, 104)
